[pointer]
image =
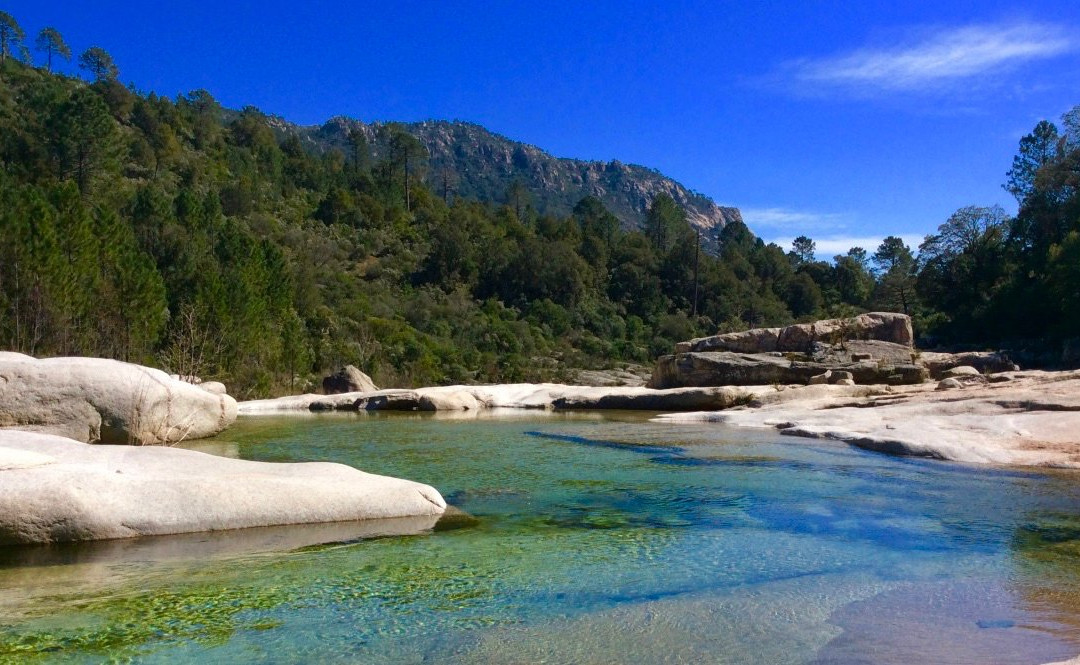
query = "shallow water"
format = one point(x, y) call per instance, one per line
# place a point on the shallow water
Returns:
point(599, 539)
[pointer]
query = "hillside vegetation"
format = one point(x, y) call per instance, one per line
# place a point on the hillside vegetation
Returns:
point(228, 245)
point(467, 160)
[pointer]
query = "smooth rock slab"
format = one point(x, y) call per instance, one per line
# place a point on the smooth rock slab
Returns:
point(471, 399)
point(1031, 420)
point(108, 401)
point(87, 492)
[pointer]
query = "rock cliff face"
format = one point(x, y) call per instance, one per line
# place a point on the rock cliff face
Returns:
point(480, 164)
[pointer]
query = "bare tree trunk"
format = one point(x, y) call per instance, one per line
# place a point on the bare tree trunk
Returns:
point(697, 252)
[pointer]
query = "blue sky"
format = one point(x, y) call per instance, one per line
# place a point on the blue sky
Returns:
point(845, 121)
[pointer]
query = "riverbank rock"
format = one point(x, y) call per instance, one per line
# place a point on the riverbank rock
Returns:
point(873, 348)
point(510, 396)
point(454, 398)
point(1032, 419)
point(880, 326)
point(870, 348)
point(722, 368)
point(60, 490)
point(984, 362)
point(348, 379)
point(633, 375)
point(961, 377)
point(96, 400)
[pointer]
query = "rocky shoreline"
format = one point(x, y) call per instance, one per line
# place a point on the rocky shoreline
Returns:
point(1023, 419)
point(61, 490)
point(85, 454)
point(1017, 418)
point(858, 381)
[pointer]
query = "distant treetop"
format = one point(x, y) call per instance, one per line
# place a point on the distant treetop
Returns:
point(99, 63)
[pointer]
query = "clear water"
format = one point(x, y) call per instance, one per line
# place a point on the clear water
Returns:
point(598, 539)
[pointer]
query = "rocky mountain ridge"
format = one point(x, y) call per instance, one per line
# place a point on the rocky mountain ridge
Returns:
point(473, 162)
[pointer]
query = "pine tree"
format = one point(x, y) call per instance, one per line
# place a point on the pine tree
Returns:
point(10, 36)
point(51, 43)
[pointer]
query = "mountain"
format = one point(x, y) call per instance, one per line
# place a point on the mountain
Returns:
point(479, 164)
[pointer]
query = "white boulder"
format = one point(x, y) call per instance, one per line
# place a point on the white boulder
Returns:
point(59, 490)
point(98, 400)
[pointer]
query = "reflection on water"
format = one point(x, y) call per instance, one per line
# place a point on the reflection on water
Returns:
point(593, 539)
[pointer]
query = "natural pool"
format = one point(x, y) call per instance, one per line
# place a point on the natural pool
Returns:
point(600, 539)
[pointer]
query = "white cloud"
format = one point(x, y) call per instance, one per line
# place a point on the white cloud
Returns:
point(932, 61)
point(786, 219)
point(827, 247)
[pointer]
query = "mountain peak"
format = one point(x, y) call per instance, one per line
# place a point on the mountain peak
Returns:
point(484, 164)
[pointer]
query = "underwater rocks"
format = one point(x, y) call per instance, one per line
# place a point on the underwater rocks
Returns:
point(60, 490)
point(96, 400)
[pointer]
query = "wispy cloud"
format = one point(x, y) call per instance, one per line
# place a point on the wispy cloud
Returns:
point(785, 219)
point(933, 60)
point(832, 233)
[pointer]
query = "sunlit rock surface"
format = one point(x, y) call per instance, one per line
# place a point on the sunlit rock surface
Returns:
point(98, 400)
point(1030, 418)
point(60, 490)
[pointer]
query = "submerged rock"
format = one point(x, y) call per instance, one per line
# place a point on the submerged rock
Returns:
point(59, 490)
point(98, 400)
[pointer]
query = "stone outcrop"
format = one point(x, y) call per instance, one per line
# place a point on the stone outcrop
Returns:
point(58, 490)
point(432, 399)
point(880, 326)
point(961, 377)
point(636, 375)
point(474, 399)
point(95, 400)
point(348, 379)
point(1031, 419)
point(985, 362)
point(722, 368)
point(873, 348)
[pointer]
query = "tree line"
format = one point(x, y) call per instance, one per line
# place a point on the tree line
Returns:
point(181, 234)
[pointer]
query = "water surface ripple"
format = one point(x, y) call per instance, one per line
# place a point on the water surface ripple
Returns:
point(598, 539)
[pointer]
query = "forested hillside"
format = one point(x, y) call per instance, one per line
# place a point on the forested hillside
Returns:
point(470, 161)
point(174, 233)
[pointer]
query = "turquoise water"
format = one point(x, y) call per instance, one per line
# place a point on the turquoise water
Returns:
point(597, 539)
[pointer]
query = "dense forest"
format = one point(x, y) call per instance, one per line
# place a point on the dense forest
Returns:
point(176, 233)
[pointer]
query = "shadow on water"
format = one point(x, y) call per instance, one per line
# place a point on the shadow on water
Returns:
point(215, 544)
